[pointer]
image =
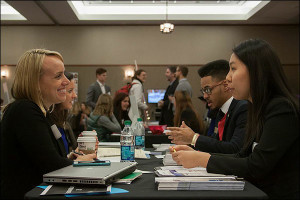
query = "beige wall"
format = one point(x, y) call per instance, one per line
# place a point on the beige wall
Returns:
point(84, 48)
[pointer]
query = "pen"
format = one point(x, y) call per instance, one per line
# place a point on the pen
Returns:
point(174, 149)
point(78, 153)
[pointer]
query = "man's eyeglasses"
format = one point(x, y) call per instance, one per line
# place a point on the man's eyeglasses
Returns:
point(208, 90)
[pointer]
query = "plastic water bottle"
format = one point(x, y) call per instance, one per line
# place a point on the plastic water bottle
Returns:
point(127, 143)
point(139, 134)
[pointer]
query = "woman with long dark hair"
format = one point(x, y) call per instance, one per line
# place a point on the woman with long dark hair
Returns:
point(184, 111)
point(137, 90)
point(270, 156)
point(60, 114)
point(121, 106)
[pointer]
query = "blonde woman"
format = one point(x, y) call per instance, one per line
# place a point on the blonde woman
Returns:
point(102, 119)
point(29, 148)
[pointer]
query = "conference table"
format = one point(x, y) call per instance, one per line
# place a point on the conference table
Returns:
point(145, 188)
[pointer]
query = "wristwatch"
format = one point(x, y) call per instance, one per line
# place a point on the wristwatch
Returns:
point(194, 139)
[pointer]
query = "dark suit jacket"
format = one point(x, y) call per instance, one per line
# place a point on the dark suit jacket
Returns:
point(94, 91)
point(167, 116)
point(273, 165)
point(28, 149)
point(233, 134)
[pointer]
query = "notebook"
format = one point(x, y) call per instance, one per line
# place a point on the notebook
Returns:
point(90, 175)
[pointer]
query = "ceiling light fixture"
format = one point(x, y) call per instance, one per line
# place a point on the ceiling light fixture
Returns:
point(167, 27)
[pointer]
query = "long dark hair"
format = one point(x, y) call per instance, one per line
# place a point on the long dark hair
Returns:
point(267, 80)
point(184, 101)
point(117, 102)
point(59, 115)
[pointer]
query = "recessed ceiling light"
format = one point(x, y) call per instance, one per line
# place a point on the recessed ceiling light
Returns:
point(9, 13)
point(155, 10)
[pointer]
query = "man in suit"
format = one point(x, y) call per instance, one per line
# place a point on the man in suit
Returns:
point(97, 88)
point(183, 84)
point(167, 115)
point(231, 118)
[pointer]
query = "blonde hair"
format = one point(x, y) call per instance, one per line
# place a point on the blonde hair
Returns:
point(27, 76)
point(104, 105)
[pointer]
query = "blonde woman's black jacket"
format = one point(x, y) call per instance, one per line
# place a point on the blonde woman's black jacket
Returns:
point(273, 164)
point(28, 149)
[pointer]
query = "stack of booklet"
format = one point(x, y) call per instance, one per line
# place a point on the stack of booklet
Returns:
point(168, 160)
point(179, 178)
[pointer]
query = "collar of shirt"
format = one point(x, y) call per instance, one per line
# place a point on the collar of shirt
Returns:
point(225, 106)
point(100, 83)
point(184, 79)
point(172, 82)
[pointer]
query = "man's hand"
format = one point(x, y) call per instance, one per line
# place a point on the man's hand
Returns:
point(181, 135)
point(160, 103)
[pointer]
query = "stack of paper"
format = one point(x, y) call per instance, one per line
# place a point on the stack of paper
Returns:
point(129, 178)
point(199, 183)
point(180, 178)
point(162, 147)
point(108, 152)
point(181, 171)
point(168, 160)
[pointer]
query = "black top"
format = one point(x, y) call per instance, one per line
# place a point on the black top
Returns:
point(233, 134)
point(191, 120)
point(28, 149)
point(273, 165)
point(167, 116)
point(121, 117)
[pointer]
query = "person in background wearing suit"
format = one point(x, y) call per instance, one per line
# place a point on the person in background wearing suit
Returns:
point(166, 106)
point(269, 158)
point(29, 148)
point(97, 88)
point(231, 118)
point(183, 84)
point(184, 111)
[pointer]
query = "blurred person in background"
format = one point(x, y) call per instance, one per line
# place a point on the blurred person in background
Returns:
point(97, 88)
point(184, 111)
point(103, 120)
point(167, 115)
point(121, 106)
point(137, 90)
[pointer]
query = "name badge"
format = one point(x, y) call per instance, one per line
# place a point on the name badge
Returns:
point(55, 131)
point(254, 145)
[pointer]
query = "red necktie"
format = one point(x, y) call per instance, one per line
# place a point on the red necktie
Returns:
point(221, 127)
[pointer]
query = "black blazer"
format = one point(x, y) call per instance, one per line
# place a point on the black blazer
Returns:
point(94, 91)
point(167, 116)
point(233, 134)
point(28, 149)
point(273, 164)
